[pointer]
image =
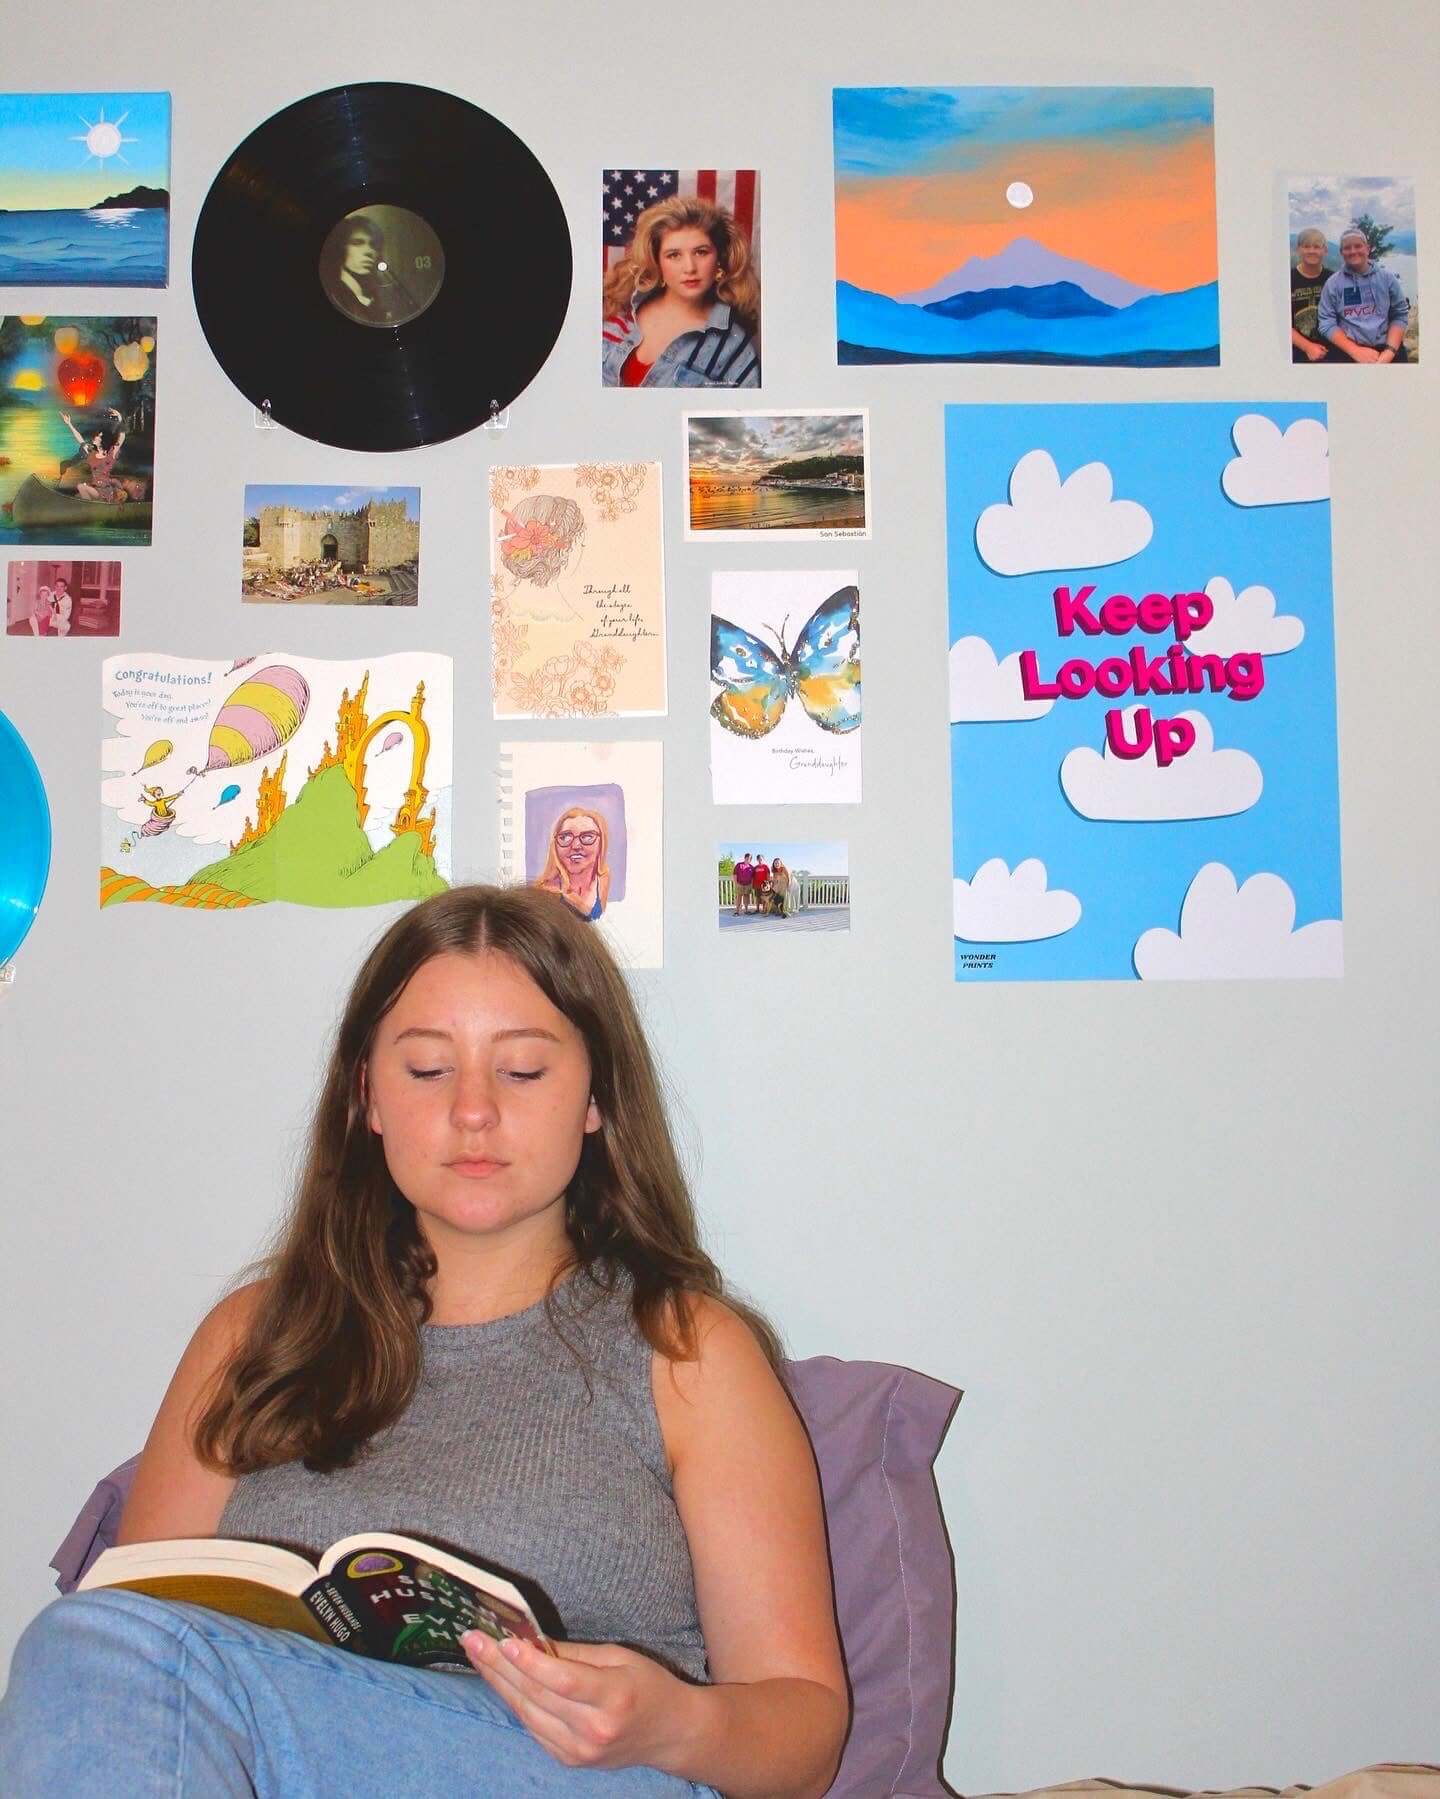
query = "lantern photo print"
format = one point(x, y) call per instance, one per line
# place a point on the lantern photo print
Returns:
point(77, 430)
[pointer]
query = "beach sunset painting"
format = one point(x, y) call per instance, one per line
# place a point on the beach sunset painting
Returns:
point(799, 474)
point(1053, 225)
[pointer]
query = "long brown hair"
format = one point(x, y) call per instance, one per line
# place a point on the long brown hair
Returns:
point(636, 277)
point(332, 1351)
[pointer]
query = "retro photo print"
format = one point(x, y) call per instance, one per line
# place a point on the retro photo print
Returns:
point(680, 285)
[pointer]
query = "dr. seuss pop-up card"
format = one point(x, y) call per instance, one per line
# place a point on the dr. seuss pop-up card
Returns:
point(275, 777)
point(1142, 693)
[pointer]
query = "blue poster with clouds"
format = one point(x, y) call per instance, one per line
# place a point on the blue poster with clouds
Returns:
point(1142, 693)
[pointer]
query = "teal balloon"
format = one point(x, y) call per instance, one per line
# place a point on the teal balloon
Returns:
point(230, 793)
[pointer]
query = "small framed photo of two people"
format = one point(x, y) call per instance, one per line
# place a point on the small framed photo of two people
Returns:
point(1353, 288)
point(681, 278)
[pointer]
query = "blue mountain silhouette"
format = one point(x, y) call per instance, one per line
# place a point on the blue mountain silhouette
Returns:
point(1177, 329)
point(1055, 300)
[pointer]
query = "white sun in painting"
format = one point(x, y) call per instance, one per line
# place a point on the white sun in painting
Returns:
point(1020, 193)
point(103, 139)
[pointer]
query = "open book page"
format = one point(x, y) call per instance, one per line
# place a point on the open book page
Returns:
point(257, 1581)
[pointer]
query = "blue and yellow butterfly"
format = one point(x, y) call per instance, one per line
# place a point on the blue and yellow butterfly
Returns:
point(823, 670)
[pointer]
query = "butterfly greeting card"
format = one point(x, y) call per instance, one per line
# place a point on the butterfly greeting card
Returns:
point(785, 684)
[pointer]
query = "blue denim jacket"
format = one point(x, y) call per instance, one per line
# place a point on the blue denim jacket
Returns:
point(722, 354)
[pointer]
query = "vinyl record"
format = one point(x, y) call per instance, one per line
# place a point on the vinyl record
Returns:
point(383, 264)
point(24, 839)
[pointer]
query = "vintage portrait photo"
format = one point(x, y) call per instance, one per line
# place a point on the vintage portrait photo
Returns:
point(63, 599)
point(681, 278)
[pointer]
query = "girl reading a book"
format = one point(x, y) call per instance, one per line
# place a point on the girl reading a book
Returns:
point(487, 1323)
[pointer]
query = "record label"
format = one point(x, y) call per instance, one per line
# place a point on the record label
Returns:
point(382, 266)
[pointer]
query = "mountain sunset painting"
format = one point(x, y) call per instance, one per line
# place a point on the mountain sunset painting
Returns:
point(1033, 225)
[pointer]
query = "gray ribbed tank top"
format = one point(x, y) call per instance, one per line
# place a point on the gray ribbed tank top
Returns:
point(507, 1456)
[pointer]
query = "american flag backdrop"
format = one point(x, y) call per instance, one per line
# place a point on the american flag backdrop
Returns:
point(627, 192)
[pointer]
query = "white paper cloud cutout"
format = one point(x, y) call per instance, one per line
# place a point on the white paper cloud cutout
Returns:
point(1240, 935)
point(1203, 783)
point(1245, 621)
point(1000, 907)
point(1275, 468)
point(1054, 524)
point(984, 690)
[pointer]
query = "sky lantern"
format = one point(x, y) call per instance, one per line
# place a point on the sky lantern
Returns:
point(67, 340)
point(80, 378)
point(131, 362)
point(31, 318)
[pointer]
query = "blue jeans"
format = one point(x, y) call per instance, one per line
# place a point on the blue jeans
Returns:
point(115, 1692)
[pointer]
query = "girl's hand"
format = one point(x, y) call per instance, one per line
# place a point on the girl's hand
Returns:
point(591, 1705)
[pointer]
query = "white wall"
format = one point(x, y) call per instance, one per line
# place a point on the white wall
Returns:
point(1178, 1243)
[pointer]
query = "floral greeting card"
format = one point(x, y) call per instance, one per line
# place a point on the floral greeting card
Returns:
point(577, 602)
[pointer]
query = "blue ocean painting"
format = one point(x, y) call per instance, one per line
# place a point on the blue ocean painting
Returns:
point(1026, 225)
point(84, 190)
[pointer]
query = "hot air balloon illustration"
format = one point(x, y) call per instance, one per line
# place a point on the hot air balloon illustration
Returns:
point(157, 752)
point(263, 712)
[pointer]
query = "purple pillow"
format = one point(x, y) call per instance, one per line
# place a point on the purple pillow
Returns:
point(95, 1528)
point(876, 1430)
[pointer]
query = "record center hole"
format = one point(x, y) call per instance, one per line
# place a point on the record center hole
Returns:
point(382, 265)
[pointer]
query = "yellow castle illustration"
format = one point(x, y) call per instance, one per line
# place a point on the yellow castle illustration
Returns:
point(354, 733)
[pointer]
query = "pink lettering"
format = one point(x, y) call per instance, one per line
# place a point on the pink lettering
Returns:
point(1031, 686)
point(1076, 679)
point(1193, 611)
point(1118, 614)
point(1112, 678)
point(1153, 612)
point(1245, 671)
point(1173, 736)
point(1117, 740)
point(1071, 610)
point(1149, 672)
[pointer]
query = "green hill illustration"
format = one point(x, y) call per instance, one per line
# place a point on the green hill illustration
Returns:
point(312, 851)
point(315, 854)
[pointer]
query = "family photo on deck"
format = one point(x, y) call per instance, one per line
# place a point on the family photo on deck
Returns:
point(786, 887)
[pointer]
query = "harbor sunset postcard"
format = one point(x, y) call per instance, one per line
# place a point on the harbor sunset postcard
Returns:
point(803, 473)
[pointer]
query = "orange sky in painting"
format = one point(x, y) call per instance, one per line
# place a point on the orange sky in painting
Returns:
point(1149, 218)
